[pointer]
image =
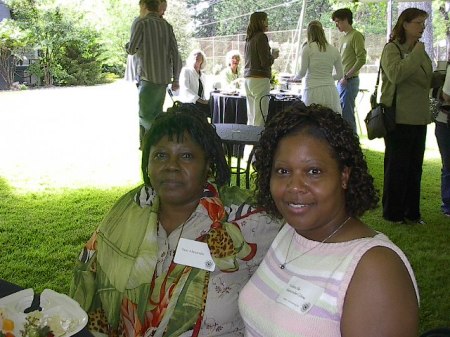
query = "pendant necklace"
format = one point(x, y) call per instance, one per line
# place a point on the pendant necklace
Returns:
point(283, 265)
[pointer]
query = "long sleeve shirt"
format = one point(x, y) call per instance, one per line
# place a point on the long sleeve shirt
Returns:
point(353, 52)
point(189, 85)
point(152, 38)
point(411, 74)
point(318, 66)
point(258, 59)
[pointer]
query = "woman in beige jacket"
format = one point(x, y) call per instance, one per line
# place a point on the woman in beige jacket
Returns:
point(407, 74)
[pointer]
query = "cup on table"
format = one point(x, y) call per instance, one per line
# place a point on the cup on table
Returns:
point(275, 53)
point(441, 66)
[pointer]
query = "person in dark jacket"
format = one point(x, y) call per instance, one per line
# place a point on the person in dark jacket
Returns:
point(258, 61)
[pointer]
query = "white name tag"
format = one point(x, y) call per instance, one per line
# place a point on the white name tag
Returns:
point(194, 254)
point(300, 295)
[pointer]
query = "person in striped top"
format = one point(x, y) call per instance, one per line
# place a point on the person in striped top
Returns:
point(326, 273)
point(154, 42)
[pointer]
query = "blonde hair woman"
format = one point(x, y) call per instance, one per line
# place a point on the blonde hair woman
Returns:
point(192, 82)
point(321, 65)
point(230, 75)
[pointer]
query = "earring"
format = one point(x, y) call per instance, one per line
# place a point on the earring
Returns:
point(344, 186)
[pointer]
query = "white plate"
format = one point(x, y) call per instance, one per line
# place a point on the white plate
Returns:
point(72, 318)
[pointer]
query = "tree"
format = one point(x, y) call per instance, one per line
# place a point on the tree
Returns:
point(176, 15)
point(12, 41)
point(57, 32)
point(442, 23)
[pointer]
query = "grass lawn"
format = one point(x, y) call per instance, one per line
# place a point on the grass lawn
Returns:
point(68, 153)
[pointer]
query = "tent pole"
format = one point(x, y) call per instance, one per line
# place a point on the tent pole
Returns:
point(389, 20)
point(299, 43)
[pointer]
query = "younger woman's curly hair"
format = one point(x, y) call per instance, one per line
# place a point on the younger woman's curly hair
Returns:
point(174, 124)
point(325, 125)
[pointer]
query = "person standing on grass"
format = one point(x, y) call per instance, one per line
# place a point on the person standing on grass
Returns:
point(353, 53)
point(319, 59)
point(132, 67)
point(152, 38)
point(407, 74)
point(257, 72)
point(442, 133)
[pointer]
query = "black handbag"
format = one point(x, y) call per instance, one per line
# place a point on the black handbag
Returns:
point(381, 119)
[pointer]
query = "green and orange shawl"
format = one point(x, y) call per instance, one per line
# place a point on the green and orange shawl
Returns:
point(125, 246)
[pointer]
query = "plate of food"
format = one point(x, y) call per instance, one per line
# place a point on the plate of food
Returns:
point(57, 315)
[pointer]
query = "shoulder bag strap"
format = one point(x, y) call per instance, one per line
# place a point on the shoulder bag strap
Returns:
point(401, 56)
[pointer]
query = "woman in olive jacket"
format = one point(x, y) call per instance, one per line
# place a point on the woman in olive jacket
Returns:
point(407, 72)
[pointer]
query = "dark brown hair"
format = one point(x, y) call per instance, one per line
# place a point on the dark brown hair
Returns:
point(256, 24)
point(342, 14)
point(326, 125)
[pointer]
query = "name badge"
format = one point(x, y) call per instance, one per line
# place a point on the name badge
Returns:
point(194, 254)
point(300, 295)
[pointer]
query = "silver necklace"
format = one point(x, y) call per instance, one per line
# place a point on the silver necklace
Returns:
point(283, 265)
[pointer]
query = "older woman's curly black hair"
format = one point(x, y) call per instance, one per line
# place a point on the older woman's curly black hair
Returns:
point(174, 124)
point(324, 124)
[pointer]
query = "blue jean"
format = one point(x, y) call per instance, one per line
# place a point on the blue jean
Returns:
point(151, 101)
point(347, 95)
point(442, 133)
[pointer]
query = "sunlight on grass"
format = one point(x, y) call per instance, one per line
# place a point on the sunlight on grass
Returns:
point(88, 136)
point(431, 150)
point(70, 137)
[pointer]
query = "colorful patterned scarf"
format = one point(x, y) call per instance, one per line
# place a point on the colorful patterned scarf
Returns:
point(173, 302)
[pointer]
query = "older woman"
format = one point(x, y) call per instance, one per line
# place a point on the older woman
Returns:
point(230, 76)
point(407, 76)
point(171, 256)
point(327, 273)
point(319, 59)
point(258, 61)
point(192, 82)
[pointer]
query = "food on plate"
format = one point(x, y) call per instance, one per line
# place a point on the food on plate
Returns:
point(6, 324)
point(59, 315)
point(37, 324)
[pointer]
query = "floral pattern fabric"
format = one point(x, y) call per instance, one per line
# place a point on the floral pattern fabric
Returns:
point(216, 313)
